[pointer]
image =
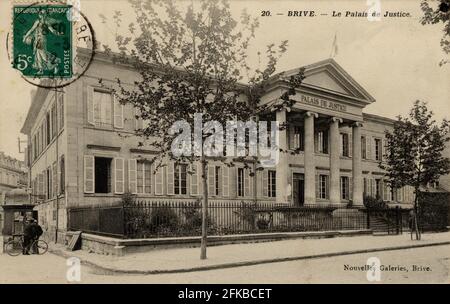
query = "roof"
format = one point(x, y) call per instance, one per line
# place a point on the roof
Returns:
point(378, 119)
point(36, 104)
point(330, 66)
point(348, 86)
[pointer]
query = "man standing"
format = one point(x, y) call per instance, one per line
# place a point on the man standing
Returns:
point(28, 232)
point(31, 233)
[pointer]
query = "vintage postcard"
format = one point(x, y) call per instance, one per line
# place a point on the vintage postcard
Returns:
point(225, 141)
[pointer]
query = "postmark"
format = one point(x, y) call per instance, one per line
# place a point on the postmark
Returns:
point(47, 45)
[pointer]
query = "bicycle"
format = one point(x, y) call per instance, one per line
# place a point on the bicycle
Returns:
point(15, 246)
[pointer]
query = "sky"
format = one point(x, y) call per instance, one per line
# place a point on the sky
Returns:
point(395, 59)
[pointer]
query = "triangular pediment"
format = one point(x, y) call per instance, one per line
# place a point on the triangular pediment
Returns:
point(325, 80)
point(329, 77)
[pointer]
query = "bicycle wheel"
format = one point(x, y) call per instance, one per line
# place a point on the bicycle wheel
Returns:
point(14, 247)
point(41, 247)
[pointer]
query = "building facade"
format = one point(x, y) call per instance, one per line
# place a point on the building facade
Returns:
point(83, 150)
point(13, 175)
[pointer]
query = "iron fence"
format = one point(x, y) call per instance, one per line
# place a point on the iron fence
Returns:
point(98, 220)
point(144, 219)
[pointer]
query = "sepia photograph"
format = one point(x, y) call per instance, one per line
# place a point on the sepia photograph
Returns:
point(223, 142)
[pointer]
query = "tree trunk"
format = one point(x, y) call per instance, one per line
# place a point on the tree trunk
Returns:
point(204, 209)
point(416, 215)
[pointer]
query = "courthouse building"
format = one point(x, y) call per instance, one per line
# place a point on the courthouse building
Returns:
point(83, 151)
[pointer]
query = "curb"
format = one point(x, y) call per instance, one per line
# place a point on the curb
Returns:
point(244, 263)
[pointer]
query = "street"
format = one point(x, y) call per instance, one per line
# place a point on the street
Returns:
point(421, 265)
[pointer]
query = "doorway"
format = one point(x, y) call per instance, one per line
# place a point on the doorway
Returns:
point(298, 189)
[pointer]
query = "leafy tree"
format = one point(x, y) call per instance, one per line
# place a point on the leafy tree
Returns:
point(437, 14)
point(192, 59)
point(414, 152)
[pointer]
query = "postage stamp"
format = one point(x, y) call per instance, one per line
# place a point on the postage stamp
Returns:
point(42, 45)
point(51, 43)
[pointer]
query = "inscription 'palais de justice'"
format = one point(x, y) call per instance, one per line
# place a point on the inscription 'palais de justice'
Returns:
point(323, 103)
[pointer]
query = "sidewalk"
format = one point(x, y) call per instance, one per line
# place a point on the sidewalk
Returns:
point(235, 255)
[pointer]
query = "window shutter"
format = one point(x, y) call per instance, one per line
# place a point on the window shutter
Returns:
point(373, 190)
point(170, 178)
point(250, 184)
point(225, 181)
point(350, 188)
point(400, 194)
point(90, 104)
point(55, 180)
point(119, 175)
point(199, 179)
point(138, 122)
point(316, 142)
point(265, 182)
point(372, 142)
point(317, 186)
point(159, 181)
point(194, 179)
point(291, 137)
point(132, 175)
point(350, 144)
point(89, 181)
point(327, 186)
point(246, 183)
point(383, 149)
point(211, 180)
point(118, 113)
point(369, 147)
point(41, 184)
point(259, 183)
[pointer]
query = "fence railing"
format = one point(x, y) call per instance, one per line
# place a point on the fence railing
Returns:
point(144, 219)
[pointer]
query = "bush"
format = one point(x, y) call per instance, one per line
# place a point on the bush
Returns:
point(263, 223)
point(128, 199)
point(374, 203)
point(163, 219)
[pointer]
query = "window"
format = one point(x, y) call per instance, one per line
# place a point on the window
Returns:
point(62, 172)
point(378, 149)
point(54, 120)
point(42, 144)
point(144, 176)
point(102, 108)
point(217, 179)
point(363, 147)
point(378, 188)
point(322, 142)
point(323, 186)
point(34, 147)
point(345, 148)
point(271, 183)
point(345, 193)
point(366, 185)
point(48, 127)
point(102, 175)
point(61, 111)
point(240, 182)
point(49, 183)
point(180, 178)
point(296, 141)
point(55, 180)
point(388, 193)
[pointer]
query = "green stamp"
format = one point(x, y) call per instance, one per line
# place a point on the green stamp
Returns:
point(42, 41)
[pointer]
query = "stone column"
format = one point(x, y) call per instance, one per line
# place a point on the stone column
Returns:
point(310, 166)
point(282, 168)
point(335, 196)
point(356, 165)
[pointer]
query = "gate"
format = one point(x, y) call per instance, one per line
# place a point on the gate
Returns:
point(386, 221)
